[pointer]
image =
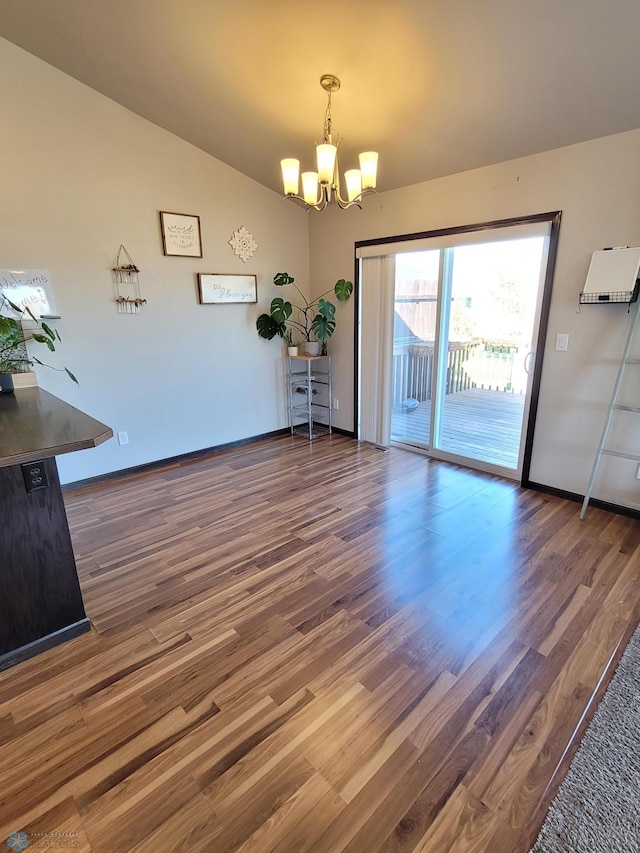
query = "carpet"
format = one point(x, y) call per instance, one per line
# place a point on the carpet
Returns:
point(597, 808)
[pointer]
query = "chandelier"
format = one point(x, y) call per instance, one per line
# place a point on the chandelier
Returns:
point(319, 188)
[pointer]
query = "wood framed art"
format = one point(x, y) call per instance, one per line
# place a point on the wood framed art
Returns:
point(217, 288)
point(181, 235)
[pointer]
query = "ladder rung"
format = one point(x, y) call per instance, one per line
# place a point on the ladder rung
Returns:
point(634, 456)
point(626, 358)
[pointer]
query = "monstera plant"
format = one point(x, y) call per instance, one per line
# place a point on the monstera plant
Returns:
point(308, 320)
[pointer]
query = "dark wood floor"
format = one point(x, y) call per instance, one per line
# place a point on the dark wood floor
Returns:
point(318, 648)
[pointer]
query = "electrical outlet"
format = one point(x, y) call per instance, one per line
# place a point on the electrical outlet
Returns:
point(35, 475)
point(123, 437)
point(336, 404)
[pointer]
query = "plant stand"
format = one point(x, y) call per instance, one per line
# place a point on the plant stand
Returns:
point(309, 395)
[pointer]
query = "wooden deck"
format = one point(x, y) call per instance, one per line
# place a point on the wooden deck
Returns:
point(477, 423)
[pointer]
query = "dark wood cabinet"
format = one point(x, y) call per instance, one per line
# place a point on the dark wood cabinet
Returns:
point(40, 599)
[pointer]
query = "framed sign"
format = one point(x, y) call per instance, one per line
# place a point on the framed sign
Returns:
point(181, 234)
point(214, 288)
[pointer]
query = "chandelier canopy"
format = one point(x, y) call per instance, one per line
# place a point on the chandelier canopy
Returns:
point(323, 186)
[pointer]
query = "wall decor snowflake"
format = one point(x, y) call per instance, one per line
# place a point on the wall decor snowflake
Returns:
point(243, 244)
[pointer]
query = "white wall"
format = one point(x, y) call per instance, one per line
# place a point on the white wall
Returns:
point(80, 176)
point(597, 186)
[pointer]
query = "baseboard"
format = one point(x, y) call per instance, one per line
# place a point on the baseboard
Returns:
point(23, 653)
point(628, 511)
point(348, 432)
point(171, 460)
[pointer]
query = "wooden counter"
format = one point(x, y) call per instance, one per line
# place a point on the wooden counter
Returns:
point(40, 600)
point(35, 424)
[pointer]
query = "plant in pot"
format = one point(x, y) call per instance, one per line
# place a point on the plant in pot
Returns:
point(314, 322)
point(14, 357)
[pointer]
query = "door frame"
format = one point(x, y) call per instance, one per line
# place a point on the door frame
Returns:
point(553, 218)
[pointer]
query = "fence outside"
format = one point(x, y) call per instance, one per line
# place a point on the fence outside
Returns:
point(490, 365)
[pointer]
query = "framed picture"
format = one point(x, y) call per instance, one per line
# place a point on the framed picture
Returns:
point(181, 234)
point(214, 288)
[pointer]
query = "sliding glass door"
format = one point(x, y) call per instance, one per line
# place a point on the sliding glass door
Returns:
point(466, 320)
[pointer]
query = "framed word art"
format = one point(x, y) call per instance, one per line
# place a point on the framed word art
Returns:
point(214, 288)
point(181, 234)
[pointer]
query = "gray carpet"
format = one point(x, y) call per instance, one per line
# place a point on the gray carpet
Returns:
point(597, 809)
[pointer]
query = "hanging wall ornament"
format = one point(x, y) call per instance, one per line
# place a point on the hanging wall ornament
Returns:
point(125, 278)
point(243, 244)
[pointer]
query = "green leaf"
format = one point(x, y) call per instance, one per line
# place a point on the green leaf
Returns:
point(10, 330)
point(42, 340)
point(30, 313)
point(268, 328)
point(13, 305)
point(343, 290)
point(48, 331)
point(326, 309)
point(322, 327)
point(71, 376)
point(280, 310)
point(282, 278)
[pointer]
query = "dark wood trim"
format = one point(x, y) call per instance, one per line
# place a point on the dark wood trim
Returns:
point(349, 433)
point(461, 229)
point(627, 511)
point(545, 309)
point(170, 460)
point(356, 348)
point(44, 644)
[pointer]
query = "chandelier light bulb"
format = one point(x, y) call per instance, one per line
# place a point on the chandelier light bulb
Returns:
point(310, 187)
point(290, 168)
point(369, 169)
point(353, 180)
point(326, 155)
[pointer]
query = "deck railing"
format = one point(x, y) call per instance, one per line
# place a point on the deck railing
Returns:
point(470, 364)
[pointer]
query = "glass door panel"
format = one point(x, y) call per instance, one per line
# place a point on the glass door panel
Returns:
point(415, 316)
point(486, 333)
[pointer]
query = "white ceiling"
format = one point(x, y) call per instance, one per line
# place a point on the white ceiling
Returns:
point(436, 86)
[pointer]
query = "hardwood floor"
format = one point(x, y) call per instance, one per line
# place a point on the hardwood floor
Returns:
point(318, 648)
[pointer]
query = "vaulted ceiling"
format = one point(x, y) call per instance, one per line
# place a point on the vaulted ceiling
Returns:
point(436, 86)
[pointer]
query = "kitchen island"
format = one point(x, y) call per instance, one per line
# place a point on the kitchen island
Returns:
point(40, 600)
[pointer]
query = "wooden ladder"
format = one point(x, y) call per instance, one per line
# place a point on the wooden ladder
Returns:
point(614, 406)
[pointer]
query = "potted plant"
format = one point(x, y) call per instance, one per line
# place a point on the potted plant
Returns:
point(291, 342)
point(14, 357)
point(311, 320)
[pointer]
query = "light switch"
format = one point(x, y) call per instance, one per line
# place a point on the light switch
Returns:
point(562, 343)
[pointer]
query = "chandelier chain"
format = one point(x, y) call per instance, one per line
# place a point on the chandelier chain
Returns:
point(327, 120)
